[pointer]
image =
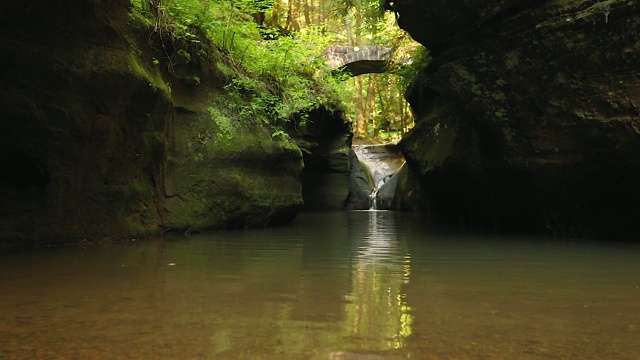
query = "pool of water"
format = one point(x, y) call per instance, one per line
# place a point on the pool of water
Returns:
point(343, 285)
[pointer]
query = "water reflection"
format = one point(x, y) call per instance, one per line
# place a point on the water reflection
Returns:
point(377, 313)
point(357, 285)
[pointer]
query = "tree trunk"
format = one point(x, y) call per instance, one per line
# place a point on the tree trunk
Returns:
point(401, 106)
point(307, 16)
point(347, 24)
point(275, 15)
point(370, 110)
point(292, 24)
point(382, 88)
point(361, 120)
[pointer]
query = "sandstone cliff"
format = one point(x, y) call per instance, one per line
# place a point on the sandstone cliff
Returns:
point(112, 129)
point(528, 117)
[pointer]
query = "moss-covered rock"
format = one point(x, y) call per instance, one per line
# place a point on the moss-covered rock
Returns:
point(114, 130)
point(222, 172)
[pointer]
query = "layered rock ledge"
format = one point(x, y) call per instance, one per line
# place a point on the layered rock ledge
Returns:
point(113, 130)
point(528, 117)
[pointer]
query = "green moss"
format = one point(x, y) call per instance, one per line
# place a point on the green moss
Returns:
point(227, 71)
point(512, 59)
point(140, 16)
point(184, 56)
point(291, 147)
point(224, 123)
point(134, 65)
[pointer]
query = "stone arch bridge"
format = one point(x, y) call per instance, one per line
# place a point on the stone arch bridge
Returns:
point(358, 60)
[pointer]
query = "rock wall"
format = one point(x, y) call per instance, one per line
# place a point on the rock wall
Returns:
point(325, 140)
point(108, 133)
point(372, 179)
point(528, 116)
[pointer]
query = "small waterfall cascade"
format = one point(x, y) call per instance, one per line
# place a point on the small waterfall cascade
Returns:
point(373, 204)
point(380, 163)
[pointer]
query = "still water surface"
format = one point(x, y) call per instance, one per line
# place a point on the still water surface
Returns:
point(344, 285)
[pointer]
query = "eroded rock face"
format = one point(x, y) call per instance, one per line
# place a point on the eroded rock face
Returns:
point(101, 139)
point(529, 114)
point(373, 183)
point(325, 140)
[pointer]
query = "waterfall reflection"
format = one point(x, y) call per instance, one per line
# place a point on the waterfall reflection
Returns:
point(377, 312)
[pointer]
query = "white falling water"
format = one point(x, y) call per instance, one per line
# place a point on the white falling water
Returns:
point(382, 161)
point(374, 199)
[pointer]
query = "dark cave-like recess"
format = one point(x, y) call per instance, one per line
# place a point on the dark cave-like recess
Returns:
point(24, 182)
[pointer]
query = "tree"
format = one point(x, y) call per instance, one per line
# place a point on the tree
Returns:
point(299, 31)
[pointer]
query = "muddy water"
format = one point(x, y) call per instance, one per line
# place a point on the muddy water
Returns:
point(343, 285)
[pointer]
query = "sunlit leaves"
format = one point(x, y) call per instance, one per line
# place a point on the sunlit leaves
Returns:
point(275, 74)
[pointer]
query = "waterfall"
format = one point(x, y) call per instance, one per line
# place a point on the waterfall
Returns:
point(373, 202)
point(378, 165)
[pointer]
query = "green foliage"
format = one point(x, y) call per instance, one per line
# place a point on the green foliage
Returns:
point(277, 78)
point(141, 7)
point(254, 6)
point(371, 12)
point(281, 133)
point(420, 58)
point(274, 74)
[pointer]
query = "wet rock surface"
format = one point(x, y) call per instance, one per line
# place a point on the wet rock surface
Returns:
point(325, 141)
point(102, 140)
point(372, 176)
point(528, 115)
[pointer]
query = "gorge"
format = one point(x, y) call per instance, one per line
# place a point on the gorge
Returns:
point(183, 179)
point(527, 121)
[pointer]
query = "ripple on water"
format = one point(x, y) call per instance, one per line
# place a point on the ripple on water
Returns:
point(352, 285)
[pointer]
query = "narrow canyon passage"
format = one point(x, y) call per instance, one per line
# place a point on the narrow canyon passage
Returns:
point(189, 179)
